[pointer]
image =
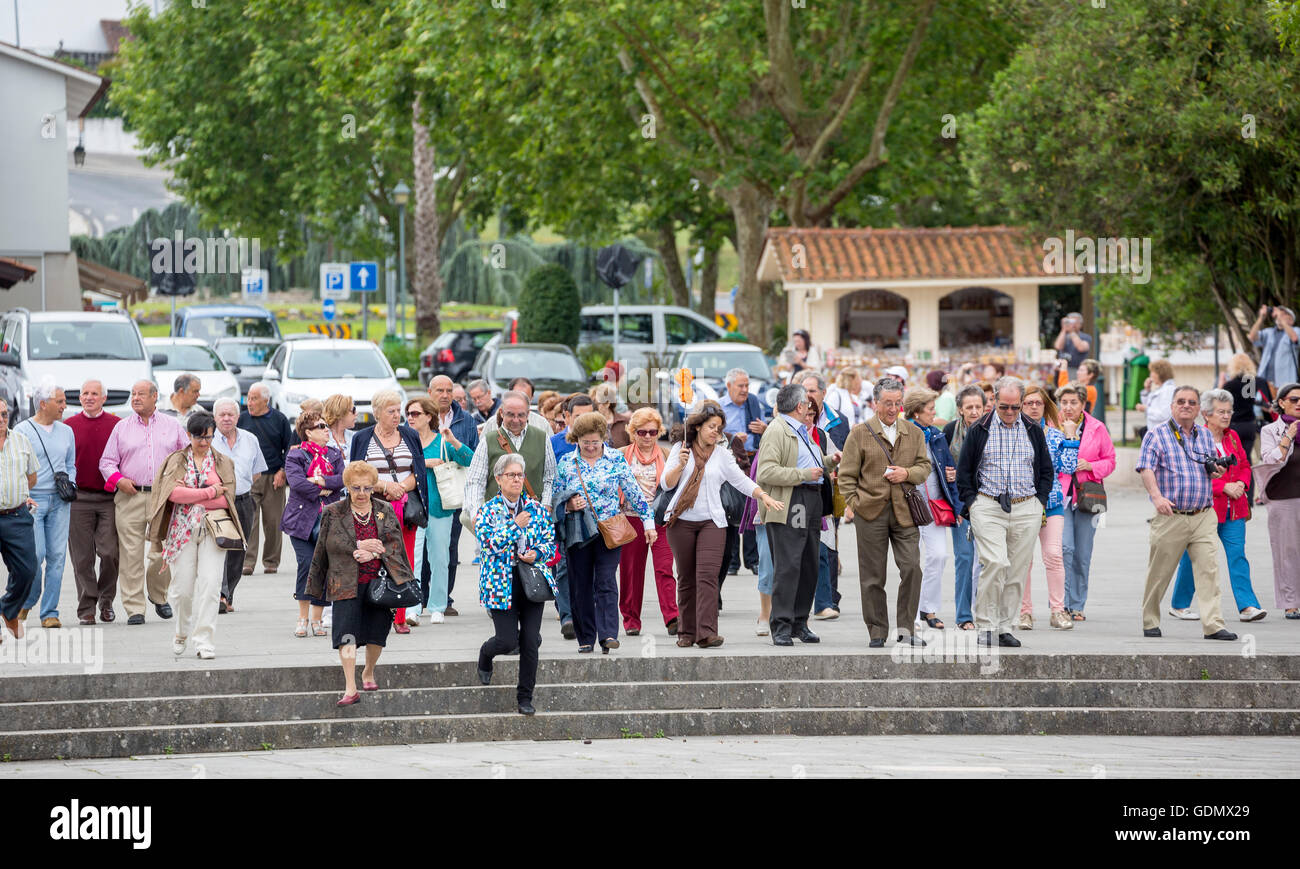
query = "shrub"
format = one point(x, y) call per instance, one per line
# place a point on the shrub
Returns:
point(594, 356)
point(549, 307)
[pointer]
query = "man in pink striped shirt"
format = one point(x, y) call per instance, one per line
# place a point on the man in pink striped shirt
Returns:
point(135, 451)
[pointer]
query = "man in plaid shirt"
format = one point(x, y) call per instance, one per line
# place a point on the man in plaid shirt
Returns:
point(1173, 469)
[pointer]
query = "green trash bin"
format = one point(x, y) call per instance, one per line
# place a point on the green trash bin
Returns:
point(1138, 371)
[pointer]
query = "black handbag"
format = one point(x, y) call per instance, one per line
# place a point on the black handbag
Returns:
point(733, 504)
point(62, 485)
point(659, 506)
point(533, 581)
point(414, 514)
point(387, 593)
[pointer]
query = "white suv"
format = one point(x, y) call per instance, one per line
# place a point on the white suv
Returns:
point(76, 346)
point(321, 367)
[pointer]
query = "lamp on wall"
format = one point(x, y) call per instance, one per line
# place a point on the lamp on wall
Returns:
point(79, 152)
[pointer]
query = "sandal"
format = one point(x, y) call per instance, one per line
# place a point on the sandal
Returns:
point(585, 649)
point(318, 629)
point(301, 630)
point(932, 620)
point(967, 626)
point(1078, 616)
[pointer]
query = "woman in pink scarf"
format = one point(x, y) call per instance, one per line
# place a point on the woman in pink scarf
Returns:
point(1277, 480)
point(314, 472)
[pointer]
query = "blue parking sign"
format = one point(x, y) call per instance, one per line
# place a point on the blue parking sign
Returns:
point(327, 310)
point(363, 276)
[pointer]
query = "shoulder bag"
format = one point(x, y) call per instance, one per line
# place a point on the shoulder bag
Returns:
point(918, 506)
point(615, 530)
point(62, 485)
point(414, 515)
point(1091, 495)
point(450, 477)
point(386, 593)
point(223, 529)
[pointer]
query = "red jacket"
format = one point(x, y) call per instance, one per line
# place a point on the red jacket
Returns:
point(1237, 508)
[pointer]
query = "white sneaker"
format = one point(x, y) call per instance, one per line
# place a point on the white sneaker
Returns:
point(761, 628)
point(826, 614)
point(436, 618)
point(207, 654)
point(1187, 615)
point(1252, 614)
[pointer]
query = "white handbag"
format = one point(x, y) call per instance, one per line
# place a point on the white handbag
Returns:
point(450, 478)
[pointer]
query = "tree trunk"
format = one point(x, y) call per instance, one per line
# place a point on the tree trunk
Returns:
point(666, 244)
point(426, 281)
point(709, 282)
point(1216, 289)
point(751, 211)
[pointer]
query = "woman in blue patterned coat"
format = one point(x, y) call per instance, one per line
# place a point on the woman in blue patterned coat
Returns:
point(512, 527)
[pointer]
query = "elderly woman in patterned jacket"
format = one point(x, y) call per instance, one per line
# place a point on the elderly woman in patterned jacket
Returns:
point(511, 528)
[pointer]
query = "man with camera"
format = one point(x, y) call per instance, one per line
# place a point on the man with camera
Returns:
point(1072, 344)
point(1277, 345)
point(1177, 463)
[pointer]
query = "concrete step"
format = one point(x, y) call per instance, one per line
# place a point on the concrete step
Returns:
point(672, 667)
point(700, 695)
point(398, 730)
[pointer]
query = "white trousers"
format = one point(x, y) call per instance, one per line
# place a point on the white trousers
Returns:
point(1004, 543)
point(195, 591)
point(934, 542)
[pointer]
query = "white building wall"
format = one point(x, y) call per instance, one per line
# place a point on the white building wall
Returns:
point(33, 169)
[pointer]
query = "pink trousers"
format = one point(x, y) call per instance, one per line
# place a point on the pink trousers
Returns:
point(1049, 539)
point(631, 576)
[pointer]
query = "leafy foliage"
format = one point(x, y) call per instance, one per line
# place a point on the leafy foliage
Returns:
point(549, 308)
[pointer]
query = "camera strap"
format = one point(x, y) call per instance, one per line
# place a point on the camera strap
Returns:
point(1178, 436)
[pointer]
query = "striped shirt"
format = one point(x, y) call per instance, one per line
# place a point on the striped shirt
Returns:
point(1179, 476)
point(1008, 461)
point(401, 454)
point(17, 460)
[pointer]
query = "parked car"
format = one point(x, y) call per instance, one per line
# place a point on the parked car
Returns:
point(452, 353)
point(211, 322)
point(321, 367)
point(248, 355)
point(548, 366)
point(708, 364)
point(193, 356)
point(642, 329)
point(73, 347)
point(11, 388)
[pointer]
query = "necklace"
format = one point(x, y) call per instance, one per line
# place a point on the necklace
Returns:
point(363, 517)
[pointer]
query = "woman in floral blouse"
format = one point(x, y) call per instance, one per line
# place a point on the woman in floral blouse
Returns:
point(592, 478)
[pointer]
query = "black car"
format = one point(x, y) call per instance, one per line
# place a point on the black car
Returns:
point(250, 354)
point(452, 353)
point(548, 366)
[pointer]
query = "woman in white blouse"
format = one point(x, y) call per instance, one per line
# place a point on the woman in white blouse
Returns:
point(1158, 396)
point(697, 523)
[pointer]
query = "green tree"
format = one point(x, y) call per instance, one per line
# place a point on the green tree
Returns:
point(549, 307)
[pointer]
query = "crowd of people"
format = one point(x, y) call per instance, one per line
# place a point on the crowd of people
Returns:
point(571, 503)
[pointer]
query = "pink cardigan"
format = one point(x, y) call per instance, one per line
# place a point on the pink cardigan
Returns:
point(202, 497)
point(1096, 448)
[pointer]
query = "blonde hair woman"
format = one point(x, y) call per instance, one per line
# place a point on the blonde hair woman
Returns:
point(843, 396)
point(340, 414)
point(646, 459)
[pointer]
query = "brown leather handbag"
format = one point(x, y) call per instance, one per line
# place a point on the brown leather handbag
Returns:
point(918, 505)
point(615, 530)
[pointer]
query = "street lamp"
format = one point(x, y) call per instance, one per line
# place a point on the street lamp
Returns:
point(401, 195)
point(79, 152)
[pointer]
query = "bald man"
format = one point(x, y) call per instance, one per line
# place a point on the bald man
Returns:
point(450, 416)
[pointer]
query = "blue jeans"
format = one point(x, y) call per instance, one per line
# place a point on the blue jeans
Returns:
point(1232, 535)
point(1076, 551)
point(967, 568)
point(53, 516)
point(562, 605)
point(765, 566)
point(433, 544)
point(825, 595)
point(18, 549)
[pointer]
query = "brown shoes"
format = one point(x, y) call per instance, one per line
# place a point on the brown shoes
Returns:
point(1026, 622)
point(51, 622)
point(710, 642)
point(22, 614)
point(685, 643)
point(106, 614)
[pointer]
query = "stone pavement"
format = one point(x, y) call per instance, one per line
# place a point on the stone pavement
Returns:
point(259, 632)
point(775, 757)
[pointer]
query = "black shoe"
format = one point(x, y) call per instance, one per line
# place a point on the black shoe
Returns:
point(221, 607)
point(876, 644)
point(566, 630)
point(485, 676)
point(807, 636)
point(1151, 632)
point(985, 638)
point(912, 640)
point(1008, 640)
point(672, 628)
point(1221, 635)
point(526, 708)
point(163, 610)
point(633, 632)
point(782, 640)
point(137, 619)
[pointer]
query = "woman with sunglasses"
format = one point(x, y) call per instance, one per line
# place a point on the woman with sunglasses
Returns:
point(314, 472)
point(189, 483)
point(646, 460)
point(1277, 479)
point(434, 540)
point(1039, 407)
point(359, 536)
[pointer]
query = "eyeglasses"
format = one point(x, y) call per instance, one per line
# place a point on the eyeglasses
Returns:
point(512, 475)
point(352, 409)
point(1187, 402)
point(647, 432)
point(1290, 399)
point(1006, 407)
point(414, 413)
point(1035, 402)
point(361, 490)
point(206, 437)
point(4, 414)
point(320, 426)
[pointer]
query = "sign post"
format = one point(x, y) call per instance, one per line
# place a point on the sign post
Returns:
point(327, 310)
point(363, 277)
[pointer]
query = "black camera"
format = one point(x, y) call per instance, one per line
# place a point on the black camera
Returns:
point(1223, 462)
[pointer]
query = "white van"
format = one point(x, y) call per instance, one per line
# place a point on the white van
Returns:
point(642, 329)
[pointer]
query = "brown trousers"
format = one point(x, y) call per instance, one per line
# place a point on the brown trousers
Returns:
point(93, 531)
point(875, 537)
point(269, 502)
point(697, 550)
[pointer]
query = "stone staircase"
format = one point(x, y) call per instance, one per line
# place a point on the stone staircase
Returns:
point(143, 713)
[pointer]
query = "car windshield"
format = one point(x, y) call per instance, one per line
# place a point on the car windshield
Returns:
point(327, 363)
point(716, 363)
point(187, 357)
point(82, 340)
point(245, 353)
point(536, 364)
point(212, 328)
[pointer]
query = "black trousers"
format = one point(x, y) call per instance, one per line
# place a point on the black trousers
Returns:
point(452, 560)
point(520, 626)
point(245, 507)
point(795, 560)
